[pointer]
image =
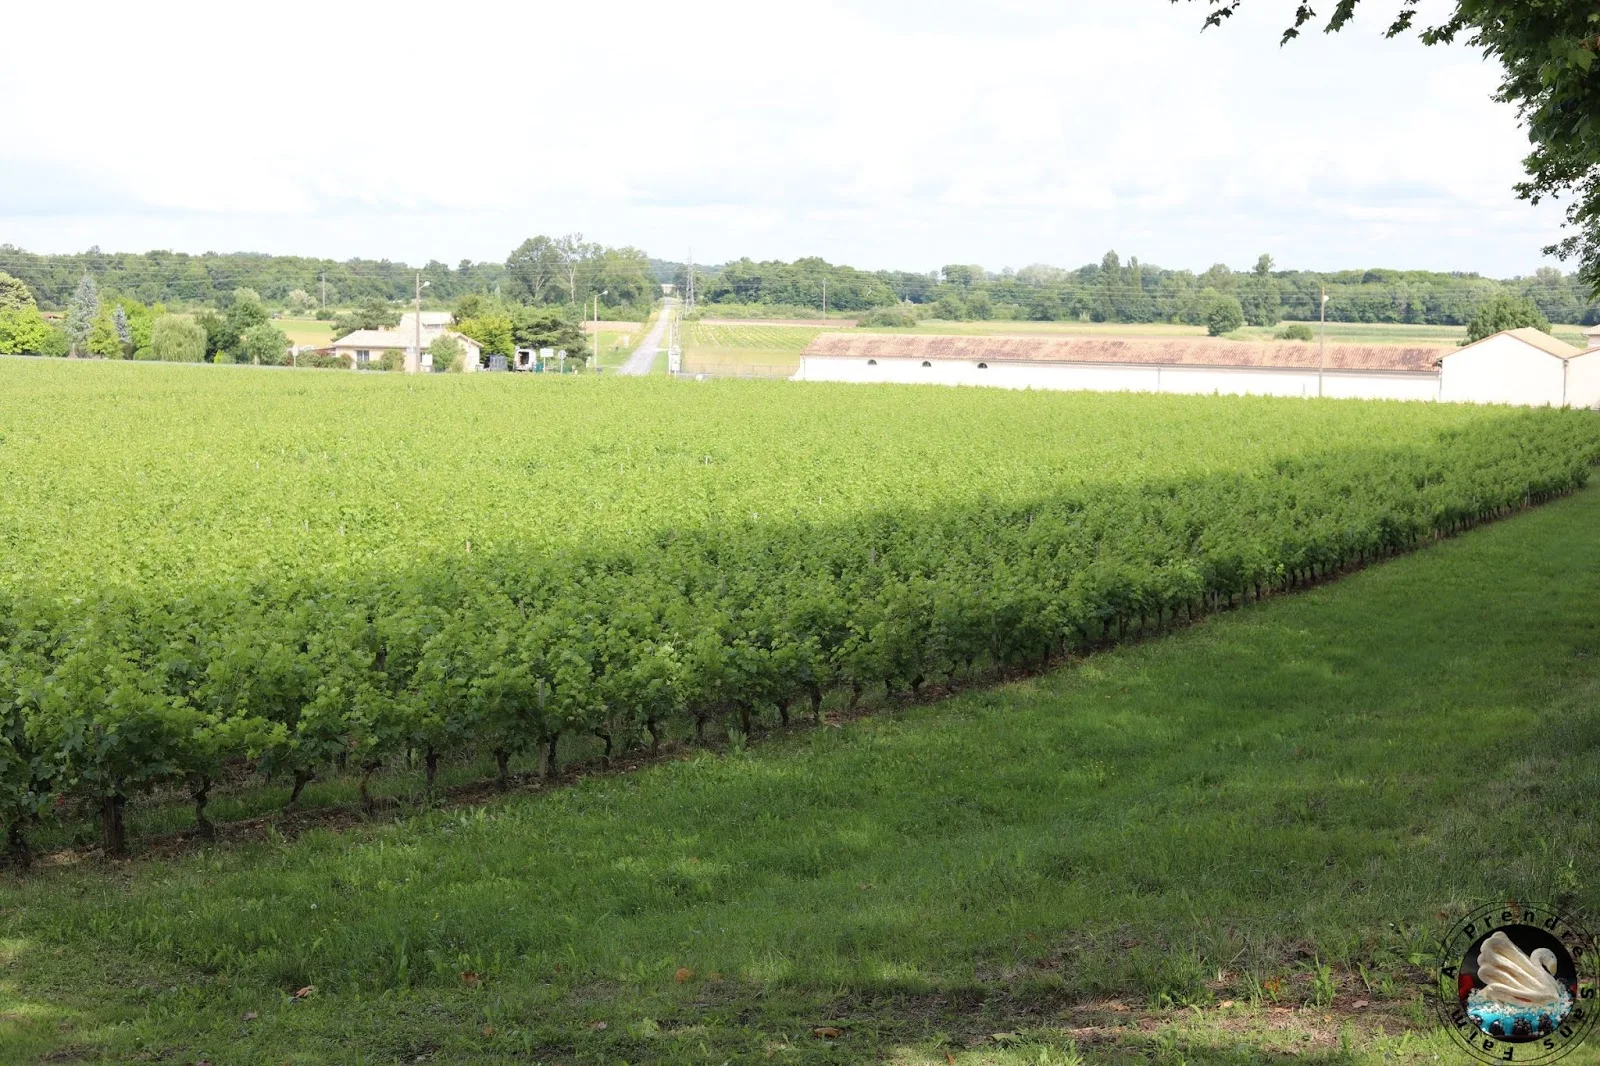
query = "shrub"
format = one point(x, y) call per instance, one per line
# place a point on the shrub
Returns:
point(1225, 316)
point(898, 316)
point(177, 340)
point(1295, 331)
point(449, 356)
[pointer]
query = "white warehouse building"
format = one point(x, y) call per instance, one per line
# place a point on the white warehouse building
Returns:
point(1521, 366)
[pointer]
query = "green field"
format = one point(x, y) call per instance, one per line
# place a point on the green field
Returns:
point(1230, 845)
point(306, 331)
point(369, 597)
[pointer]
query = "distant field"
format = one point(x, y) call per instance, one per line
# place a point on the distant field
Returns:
point(304, 331)
point(727, 348)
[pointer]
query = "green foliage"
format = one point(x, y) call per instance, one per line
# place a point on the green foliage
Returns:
point(24, 331)
point(14, 295)
point(897, 316)
point(374, 314)
point(264, 345)
point(662, 586)
point(174, 339)
point(449, 355)
point(81, 314)
point(104, 338)
point(1225, 316)
point(492, 332)
point(1505, 312)
point(547, 327)
point(1297, 331)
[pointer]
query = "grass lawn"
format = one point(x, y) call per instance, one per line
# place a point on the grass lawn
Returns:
point(1218, 847)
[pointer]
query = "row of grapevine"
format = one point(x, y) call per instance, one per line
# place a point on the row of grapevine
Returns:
point(110, 693)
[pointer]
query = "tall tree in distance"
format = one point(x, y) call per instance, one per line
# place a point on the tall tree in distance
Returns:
point(575, 256)
point(81, 313)
point(1550, 52)
point(533, 267)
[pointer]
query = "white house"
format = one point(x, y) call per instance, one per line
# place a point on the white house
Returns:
point(366, 347)
point(1522, 366)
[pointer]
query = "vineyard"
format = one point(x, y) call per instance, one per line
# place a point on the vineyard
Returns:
point(732, 348)
point(211, 571)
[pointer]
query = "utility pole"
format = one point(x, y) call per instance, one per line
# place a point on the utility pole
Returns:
point(1322, 341)
point(414, 363)
point(824, 296)
point(603, 292)
point(322, 305)
point(688, 296)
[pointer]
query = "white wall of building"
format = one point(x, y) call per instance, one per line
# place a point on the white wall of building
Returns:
point(1583, 380)
point(1122, 377)
point(1503, 369)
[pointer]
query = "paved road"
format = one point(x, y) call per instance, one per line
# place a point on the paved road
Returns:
point(644, 356)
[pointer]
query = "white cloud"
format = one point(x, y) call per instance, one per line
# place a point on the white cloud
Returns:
point(879, 132)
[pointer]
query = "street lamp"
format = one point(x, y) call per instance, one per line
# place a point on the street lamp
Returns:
point(602, 292)
point(1322, 342)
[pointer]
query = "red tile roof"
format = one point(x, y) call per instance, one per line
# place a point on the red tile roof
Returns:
point(1176, 351)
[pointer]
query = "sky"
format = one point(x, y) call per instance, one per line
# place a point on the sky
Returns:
point(900, 134)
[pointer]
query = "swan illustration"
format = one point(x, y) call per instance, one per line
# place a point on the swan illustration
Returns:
point(1511, 977)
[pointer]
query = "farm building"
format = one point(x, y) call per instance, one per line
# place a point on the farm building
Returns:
point(1507, 368)
point(367, 346)
point(1522, 366)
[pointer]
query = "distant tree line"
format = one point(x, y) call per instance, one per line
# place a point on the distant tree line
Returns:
point(568, 272)
point(1117, 291)
point(542, 270)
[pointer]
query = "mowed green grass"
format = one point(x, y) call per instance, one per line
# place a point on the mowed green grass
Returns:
point(1271, 809)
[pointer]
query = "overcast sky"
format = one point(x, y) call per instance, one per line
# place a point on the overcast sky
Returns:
point(881, 133)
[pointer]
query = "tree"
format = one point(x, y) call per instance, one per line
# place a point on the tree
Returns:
point(1225, 316)
point(81, 314)
point(104, 340)
point(301, 301)
point(375, 313)
point(492, 331)
point(1505, 312)
point(1548, 49)
point(547, 327)
point(177, 340)
point(531, 269)
point(119, 321)
point(14, 295)
point(575, 254)
point(263, 344)
point(244, 294)
point(24, 331)
point(449, 354)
